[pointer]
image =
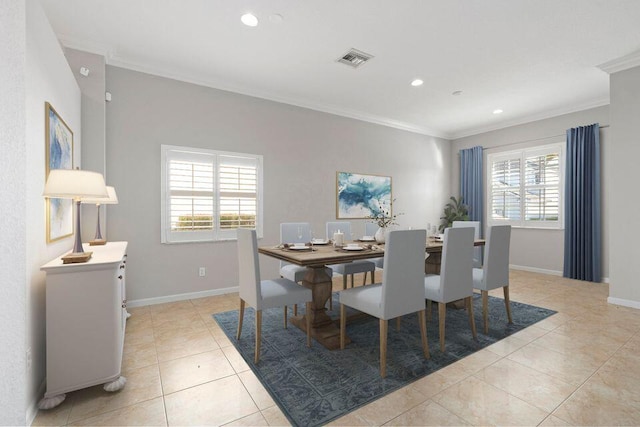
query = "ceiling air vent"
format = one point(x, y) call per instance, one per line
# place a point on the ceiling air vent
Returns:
point(355, 58)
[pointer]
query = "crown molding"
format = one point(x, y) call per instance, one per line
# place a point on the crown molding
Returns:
point(623, 63)
point(111, 58)
point(96, 48)
point(531, 118)
point(298, 102)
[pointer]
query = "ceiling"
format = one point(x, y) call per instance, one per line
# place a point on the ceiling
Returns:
point(530, 58)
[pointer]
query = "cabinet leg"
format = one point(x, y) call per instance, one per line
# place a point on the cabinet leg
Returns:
point(51, 402)
point(115, 385)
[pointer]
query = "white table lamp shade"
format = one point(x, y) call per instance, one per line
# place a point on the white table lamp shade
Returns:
point(78, 185)
point(75, 184)
point(112, 199)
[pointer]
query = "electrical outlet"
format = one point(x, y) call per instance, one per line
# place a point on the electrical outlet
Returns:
point(202, 272)
point(29, 360)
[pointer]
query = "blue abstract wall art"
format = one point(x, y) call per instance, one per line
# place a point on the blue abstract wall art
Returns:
point(59, 155)
point(360, 196)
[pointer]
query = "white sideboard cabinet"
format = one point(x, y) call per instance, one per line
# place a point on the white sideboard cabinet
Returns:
point(85, 322)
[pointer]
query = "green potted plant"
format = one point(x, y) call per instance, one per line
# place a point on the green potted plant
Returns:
point(455, 210)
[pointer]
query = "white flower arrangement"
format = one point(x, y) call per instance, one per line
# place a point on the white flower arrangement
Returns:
point(385, 216)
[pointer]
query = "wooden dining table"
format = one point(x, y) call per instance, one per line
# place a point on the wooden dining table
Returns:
point(316, 259)
point(434, 249)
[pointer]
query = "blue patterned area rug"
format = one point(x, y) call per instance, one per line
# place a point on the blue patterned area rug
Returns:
point(314, 386)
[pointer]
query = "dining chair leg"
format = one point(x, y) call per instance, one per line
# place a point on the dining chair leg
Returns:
point(308, 317)
point(442, 311)
point(472, 320)
point(352, 280)
point(485, 310)
point(398, 323)
point(429, 310)
point(507, 302)
point(423, 334)
point(343, 325)
point(383, 348)
point(373, 276)
point(364, 279)
point(285, 317)
point(258, 334)
point(295, 309)
point(240, 318)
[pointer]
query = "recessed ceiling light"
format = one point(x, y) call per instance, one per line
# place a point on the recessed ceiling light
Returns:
point(417, 82)
point(456, 93)
point(249, 20)
point(498, 111)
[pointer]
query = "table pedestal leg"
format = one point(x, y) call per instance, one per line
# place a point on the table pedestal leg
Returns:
point(432, 263)
point(323, 328)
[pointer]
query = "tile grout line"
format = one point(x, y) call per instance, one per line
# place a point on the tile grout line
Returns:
point(590, 376)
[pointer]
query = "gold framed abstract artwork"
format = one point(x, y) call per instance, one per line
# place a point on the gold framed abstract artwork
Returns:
point(59, 155)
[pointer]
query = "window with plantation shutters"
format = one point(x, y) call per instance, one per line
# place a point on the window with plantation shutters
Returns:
point(505, 189)
point(525, 187)
point(207, 195)
point(542, 187)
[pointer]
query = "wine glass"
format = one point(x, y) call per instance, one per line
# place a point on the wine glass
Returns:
point(311, 237)
point(299, 234)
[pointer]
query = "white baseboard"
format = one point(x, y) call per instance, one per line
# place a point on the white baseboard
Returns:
point(624, 302)
point(535, 269)
point(32, 409)
point(543, 271)
point(181, 297)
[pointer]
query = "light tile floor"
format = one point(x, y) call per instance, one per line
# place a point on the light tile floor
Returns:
point(578, 367)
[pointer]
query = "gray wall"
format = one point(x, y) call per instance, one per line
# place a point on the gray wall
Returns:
point(12, 210)
point(625, 111)
point(48, 78)
point(93, 127)
point(33, 70)
point(302, 151)
point(539, 249)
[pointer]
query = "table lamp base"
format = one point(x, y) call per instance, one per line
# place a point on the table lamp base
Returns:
point(73, 258)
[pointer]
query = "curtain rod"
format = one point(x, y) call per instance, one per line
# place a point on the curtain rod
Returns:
point(530, 140)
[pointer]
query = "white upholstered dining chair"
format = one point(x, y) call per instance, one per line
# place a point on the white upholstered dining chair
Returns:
point(495, 271)
point(401, 291)
point(295, 232)
point(264, 294)
point(477, 250)
point(350, 268)
point(455, 280)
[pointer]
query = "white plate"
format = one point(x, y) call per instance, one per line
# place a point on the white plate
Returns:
point(300, 248)
point(320, 242)
point(352, 248)
point(367, 239)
